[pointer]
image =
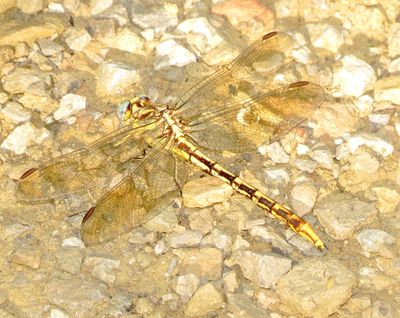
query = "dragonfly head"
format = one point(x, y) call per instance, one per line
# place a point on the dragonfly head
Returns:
point(138, 108)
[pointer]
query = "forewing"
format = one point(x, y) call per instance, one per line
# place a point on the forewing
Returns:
point(87, 168)
point(242, 80)
point(135, 200)
point(243, 127)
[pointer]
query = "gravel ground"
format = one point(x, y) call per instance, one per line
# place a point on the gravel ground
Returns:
point(64, 68)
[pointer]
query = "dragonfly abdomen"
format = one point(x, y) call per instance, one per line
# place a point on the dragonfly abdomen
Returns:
point(190, 153)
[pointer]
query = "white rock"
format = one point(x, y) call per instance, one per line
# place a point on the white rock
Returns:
point(302, 198)
point(374, 240)
point(159, 20)
point(372, 141)
point(388, 89)
point(16, 113)
point(186, 285)
point(276, 176)
point(58, 313)
point(324, 157)
point(70, 104)
point(394, 66)
point(275, 152)
point(303, 55)
point(125, 40)
point(23, 136)
point(380, 119)
point(302, 149)
point(160, 248)
point(394, 40)
point(98, 6)
point(170, 53)
point(148, 34)
point(117, 12)
point(114, 77)
point(326, 36)
point(203, 27)
point(77, 39)
point(365, 105)
point(305, 165)
point(218, 239)
point(353, 77)
point(73, 241)
point(56, 7)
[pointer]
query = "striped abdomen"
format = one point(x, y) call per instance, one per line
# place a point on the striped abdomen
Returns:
point(190, 153)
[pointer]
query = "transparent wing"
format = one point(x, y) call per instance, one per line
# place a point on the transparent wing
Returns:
point(136, 199)
point(244, 126)
point(239, 82)
point(118, 152)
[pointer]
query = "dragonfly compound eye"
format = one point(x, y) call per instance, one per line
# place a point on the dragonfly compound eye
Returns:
point(125, 111)
point(144, 101)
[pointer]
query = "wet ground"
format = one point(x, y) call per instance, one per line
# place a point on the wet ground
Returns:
point(64, 68)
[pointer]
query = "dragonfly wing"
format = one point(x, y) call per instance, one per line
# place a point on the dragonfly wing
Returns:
point(244, 126)
point(241, 80)
point(135, 200)
point(90, 167)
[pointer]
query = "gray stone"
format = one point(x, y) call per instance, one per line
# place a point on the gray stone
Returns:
point(77, 38)
point(23, 80)
point(377, 241)
point(302, 198)
point(262, 268)
point(16, 113)
point(101, 267)
point(75, 294)
point(206, 300)
point(186, 285)
point(70, 259)
point(306, 288)
point(188, 238)
point(49, 47)
point(275, 152)
point(241, 305)
point(203, 262)
point(204, 192)
point(342, 215)
point(29, 256)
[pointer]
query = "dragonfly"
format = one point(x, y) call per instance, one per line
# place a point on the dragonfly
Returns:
point(235, 110)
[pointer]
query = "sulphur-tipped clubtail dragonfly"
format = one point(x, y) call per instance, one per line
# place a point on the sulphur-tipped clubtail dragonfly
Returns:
point(234, 110)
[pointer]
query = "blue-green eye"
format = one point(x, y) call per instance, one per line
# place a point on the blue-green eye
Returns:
point(123, 108)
